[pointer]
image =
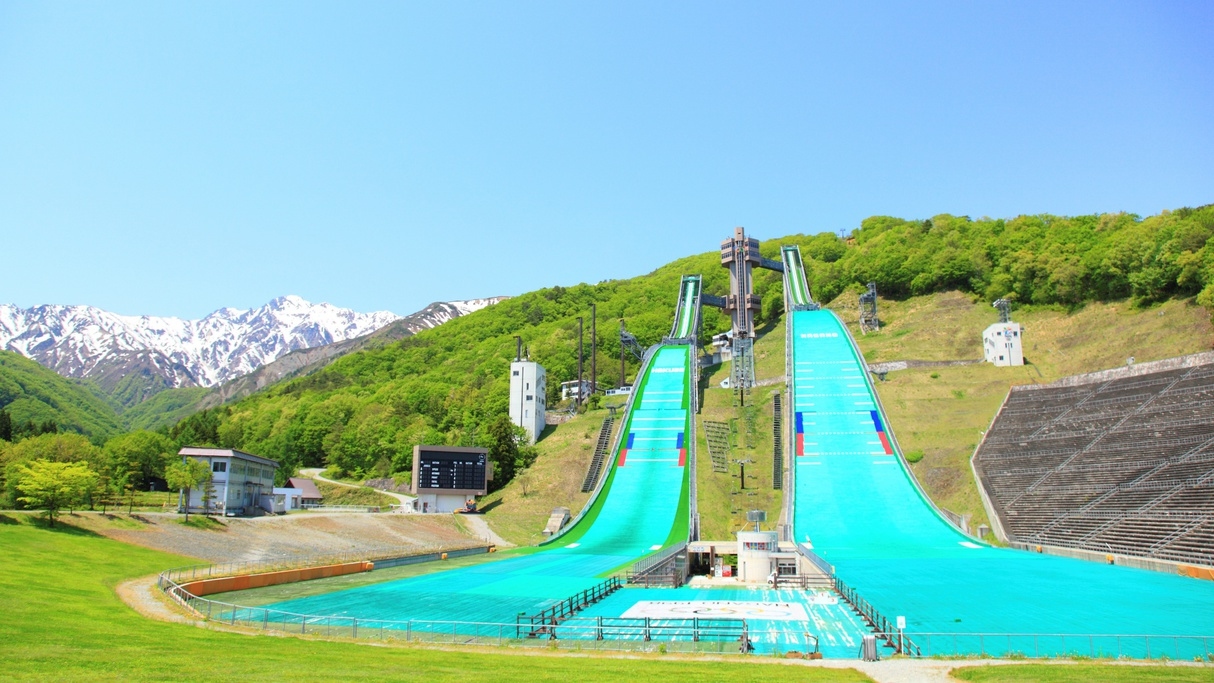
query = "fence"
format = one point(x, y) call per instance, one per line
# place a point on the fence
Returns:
point(1037, 645)
point(382, 559)
point(339, 508)
point(576, 633)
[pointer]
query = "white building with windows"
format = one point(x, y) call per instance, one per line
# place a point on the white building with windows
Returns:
point(238, 481)
point(528, 387)
point(572, 390)
point(1003, 344)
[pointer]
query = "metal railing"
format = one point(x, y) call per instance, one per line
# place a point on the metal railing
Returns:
point(340, 508)
point(1039, 645)
point(881, 626)
point(545, 621)
point(190, 573)
point(574, 633)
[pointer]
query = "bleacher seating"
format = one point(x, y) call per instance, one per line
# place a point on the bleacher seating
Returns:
point(1118, 461)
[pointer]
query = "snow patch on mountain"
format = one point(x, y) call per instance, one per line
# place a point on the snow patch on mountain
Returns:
point(83, 341)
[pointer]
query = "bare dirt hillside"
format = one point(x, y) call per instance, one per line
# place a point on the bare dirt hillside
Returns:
point(265, 538)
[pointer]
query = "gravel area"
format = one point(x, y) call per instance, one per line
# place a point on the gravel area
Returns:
point(280, 537)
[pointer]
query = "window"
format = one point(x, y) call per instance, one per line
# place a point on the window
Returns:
point(530, 397)
point(528, 385)
point(219, 466)
point(515, 373)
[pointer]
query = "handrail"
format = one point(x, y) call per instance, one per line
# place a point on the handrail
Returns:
point(632, 634)
point(881, 626)
point(551, 616)
point(223, 569)
point(1095, 644)
point(648, 564)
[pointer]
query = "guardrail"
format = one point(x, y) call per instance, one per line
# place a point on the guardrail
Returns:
point(340, 508)
point(574, 633)
point(386, 557)
point(1038, 645)
point(881, 626)
point(545, 621)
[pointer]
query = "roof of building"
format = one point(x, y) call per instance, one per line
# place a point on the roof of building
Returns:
point(197, 452)
point(307, 487)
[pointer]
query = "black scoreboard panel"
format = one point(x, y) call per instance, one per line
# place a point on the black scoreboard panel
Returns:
point(451, 471)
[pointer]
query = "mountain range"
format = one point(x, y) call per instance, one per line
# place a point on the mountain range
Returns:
point(131, 358)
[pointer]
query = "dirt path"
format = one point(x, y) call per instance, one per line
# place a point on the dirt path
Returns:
point(478, 527)
point(406, 502)
point(278, 536)
point(146, 598)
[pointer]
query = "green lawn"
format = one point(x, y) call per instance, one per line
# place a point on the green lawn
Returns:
point(60, 620)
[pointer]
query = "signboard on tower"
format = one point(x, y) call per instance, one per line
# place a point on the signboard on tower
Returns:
point(451, 470)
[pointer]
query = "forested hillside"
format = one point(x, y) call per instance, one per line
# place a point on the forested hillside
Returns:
point(364, 413)
point(1034, 259)
point(35, 400)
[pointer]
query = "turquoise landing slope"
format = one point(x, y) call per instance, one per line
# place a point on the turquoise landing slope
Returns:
point(684, 323)
point(858, 506)
point(642, 508)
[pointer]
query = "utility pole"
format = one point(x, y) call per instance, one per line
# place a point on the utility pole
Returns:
point(594, 348)
point(579, 360)
point(621, 352)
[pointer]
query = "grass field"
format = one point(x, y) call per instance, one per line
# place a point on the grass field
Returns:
point(60, 620)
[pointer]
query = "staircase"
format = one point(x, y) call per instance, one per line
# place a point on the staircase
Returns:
point(717, 435)
point(777, 433)
point(600, 454)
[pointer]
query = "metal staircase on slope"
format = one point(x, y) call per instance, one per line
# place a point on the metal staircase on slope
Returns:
point(777, 433)
point(600, 454)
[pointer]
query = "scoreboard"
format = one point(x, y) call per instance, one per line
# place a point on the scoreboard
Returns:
point(445, 469)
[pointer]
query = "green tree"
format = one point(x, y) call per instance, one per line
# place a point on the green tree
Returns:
point(63, 448)
point(503, 451)
point(137, 457)
point(185, 476)
point(6, 425)
point(54, 485)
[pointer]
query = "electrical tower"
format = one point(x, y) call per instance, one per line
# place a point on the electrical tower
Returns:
point(868, 310)
point(1005, 310)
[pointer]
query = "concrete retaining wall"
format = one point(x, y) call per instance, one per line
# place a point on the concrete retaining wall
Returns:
point(236, 583)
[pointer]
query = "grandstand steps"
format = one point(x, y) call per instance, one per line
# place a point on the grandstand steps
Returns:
point(1121, 465)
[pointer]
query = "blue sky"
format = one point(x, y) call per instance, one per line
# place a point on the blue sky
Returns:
point(172, 158)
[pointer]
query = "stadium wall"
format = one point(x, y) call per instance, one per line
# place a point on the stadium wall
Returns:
point(1165, 566)
point(1191, 360)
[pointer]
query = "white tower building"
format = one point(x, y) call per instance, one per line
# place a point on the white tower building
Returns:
point(528, 386)
point(1003, 344)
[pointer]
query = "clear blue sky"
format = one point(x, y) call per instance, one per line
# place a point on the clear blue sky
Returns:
point(170, 158)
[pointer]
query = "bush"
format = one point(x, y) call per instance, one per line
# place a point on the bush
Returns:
point(914, 456)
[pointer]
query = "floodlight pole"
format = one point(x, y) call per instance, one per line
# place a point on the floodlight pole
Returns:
point(594, 348)
point(579, 361)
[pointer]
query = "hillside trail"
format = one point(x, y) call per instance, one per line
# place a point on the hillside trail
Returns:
point(406, 502)
point(476, 524)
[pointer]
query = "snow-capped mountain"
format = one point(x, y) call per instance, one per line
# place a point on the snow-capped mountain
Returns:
point(82, 341)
